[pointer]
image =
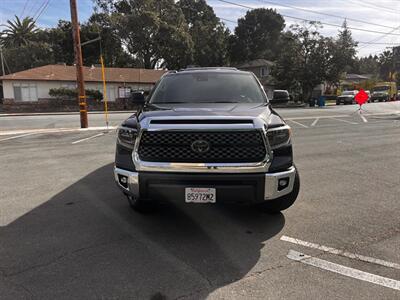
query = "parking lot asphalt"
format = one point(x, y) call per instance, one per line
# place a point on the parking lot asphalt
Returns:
point(66, 231)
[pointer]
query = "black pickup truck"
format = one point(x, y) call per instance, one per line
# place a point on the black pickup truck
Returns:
point(206, 135)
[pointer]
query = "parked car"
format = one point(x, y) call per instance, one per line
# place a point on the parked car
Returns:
point(206, 135)
point(280, 97)
point(369, 95)
point(384, 91)
point(347, 97)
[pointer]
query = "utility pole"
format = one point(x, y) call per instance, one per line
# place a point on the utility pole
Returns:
point(79, 65)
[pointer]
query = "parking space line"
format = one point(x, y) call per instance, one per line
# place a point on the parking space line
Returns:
point(295, 122)
point(341, 252)
point(18, 136)
point(88, 138)
point(343, 270)
point(349, 122)
point(363, 118)
point(315, 122)
point(55, 130)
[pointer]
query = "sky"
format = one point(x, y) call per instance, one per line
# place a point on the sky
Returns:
point(384, 16)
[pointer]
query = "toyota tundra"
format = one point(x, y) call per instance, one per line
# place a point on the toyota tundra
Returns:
point(206, 135)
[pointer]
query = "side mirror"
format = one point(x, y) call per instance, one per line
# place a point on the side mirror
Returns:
point(138, 97)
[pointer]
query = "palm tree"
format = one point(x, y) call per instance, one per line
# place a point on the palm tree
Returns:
point(19, 33)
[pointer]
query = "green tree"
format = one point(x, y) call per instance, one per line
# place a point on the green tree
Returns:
point(304, 62)
point(257, 36)
point(367, 65)
point(23, 45)
point(60, 39)
point(209, 35)
point(285, 71)
point(386, 64)
point(19, 32)
point(99, 24)
point(343, 52)
point(154, 32)
point(28, 56)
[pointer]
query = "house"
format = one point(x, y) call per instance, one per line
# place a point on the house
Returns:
point(29, 90)
point(262, 69)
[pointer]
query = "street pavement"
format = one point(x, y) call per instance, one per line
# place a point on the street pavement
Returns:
point(66, 231)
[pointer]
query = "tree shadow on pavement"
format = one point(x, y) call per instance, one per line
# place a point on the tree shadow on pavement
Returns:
point(86, 243)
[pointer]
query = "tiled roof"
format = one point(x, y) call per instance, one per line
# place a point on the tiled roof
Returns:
point(91, 74)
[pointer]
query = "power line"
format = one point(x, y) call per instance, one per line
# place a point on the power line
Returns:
point(366, 43)
point(323, 23)
point(379, 38)
point(39, 8)
point(30, 10)
point(323, 14)
point(43, 9)
point(375, 7)
point(23, 10)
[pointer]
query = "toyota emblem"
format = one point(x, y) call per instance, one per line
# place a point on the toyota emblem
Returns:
point(200, 146)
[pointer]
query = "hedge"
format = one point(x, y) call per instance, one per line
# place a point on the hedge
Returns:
point(65, 93)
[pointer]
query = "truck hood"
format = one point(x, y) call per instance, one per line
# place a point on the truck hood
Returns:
point(254, 110)
point(261, 111)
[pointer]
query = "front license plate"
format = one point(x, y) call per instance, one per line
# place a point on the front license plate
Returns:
point(200, 195)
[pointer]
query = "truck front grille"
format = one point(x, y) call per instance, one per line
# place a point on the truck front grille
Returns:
point(224, 146)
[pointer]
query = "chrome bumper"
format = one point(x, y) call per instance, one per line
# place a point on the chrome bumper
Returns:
point(132, 184)
point(271, 185)
point(271, 189)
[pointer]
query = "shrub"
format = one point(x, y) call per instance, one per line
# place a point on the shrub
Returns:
point(65, 93)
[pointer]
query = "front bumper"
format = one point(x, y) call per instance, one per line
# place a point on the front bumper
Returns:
point(241, 188)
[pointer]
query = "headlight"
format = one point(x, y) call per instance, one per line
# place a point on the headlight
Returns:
point(127, 136)
point(279, 136)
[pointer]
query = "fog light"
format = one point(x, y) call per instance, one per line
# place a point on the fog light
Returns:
point(283, 183)
point(123, 180)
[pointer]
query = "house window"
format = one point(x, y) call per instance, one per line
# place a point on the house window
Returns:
point(264, 72)
point(111, 92)
point(25, 92)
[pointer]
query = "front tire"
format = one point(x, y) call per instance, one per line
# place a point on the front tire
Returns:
point(284, 202)
point(140, 205)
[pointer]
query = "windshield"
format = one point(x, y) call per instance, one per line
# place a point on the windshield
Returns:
point(208, 87)
point(348, 93)
point(381, 88)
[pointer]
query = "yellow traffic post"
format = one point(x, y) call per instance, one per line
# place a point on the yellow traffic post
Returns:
point(103, 74)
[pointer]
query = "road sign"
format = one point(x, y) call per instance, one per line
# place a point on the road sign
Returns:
point(361, 97)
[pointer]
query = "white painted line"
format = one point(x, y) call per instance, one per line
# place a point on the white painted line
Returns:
point(341, 252)
point(55, 130)
point(349, 122)
point(88, 138)
point(18, 136)
point(341, 116)
point(363, 118)
point(298, 123)
point(315, 122)
point(313, 117)
point(346, 271)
